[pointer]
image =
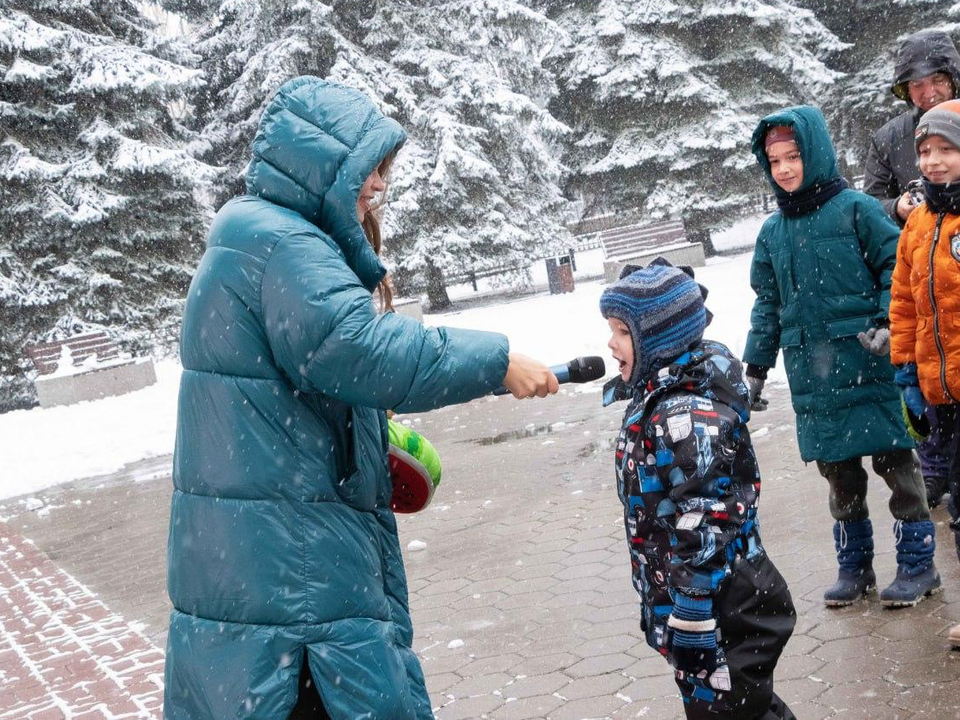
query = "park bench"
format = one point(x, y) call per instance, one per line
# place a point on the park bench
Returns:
point(640, 243)
point(85, 367)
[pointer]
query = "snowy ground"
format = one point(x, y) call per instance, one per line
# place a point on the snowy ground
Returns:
point(742, 234)
point(42, 448)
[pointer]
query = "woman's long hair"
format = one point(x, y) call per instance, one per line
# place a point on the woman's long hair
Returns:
point(371, 228)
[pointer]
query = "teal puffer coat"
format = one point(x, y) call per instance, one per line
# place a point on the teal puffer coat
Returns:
point(821, 278)
point(282, 543)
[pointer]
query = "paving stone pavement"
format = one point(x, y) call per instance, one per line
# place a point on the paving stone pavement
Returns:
point(62, 652)
point(521, 593)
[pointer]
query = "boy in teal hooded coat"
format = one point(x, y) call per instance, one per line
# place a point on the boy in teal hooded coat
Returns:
point(822, 270)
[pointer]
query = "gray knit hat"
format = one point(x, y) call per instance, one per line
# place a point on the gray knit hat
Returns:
point(943, 120)
point(663, 307)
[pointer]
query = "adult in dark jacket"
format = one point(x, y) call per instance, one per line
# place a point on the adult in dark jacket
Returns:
point(283, 550)
point(822, 271)
point(927, 73)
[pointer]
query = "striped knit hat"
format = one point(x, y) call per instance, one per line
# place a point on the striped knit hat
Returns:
point(663, 307)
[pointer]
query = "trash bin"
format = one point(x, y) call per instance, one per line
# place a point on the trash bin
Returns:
point(560, 274)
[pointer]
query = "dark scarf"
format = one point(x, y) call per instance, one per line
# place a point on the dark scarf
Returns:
point(813, 198)
point(942, 197)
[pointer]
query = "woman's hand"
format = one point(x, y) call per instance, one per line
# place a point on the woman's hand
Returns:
point(527, 377)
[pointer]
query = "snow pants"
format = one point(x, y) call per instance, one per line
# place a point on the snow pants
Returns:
point(899, 469)
point(935, 452)
point(756, 618)
point(948, 417)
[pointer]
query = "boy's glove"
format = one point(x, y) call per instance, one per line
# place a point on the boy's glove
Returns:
point(875, 340)
point(912, 401)
point(755, 378)
point(414, 469)
point(693, 643)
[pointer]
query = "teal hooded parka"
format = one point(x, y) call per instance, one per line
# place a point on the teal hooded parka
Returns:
point(282, 544)
point(821, 278)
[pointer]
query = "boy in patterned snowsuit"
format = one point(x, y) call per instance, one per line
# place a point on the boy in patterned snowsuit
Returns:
point(712, 602)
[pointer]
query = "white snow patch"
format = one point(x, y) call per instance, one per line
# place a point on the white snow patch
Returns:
point(415, 545)
point(454, 644)
point(43, 447)
point(742, 234)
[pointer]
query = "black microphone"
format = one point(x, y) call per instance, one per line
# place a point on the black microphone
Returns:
point(580, 370)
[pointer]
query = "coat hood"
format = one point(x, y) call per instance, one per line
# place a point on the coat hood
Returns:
point(316, 144)
point(922, 54)
point(813, 138)
point(709, 370)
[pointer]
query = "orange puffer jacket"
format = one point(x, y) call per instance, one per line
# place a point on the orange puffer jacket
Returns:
point(925, 303)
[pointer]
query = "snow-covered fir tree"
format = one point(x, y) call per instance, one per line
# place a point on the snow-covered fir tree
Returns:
point(860, 102)
point(663, 97)
point(248, 49)
point(101, 209)
point(478, 183)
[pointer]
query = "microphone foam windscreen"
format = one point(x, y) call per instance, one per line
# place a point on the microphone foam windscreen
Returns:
point(586, 369)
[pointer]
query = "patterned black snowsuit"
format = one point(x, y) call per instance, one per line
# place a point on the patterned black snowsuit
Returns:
point(688, 479)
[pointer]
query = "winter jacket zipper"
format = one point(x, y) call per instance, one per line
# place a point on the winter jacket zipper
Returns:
point(936, 317)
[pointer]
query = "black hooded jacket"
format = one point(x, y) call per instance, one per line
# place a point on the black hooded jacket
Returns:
point(892, 158)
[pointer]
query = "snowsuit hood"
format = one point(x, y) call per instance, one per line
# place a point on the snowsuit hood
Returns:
point(922, 54)
point(316, 144)
point(709, 370)
point(813, 139)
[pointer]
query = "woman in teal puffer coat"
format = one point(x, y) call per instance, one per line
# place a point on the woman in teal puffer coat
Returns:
point(821, 270)
point(283, 551)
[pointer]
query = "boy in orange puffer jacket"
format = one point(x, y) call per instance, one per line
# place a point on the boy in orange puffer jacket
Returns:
point(925, 296)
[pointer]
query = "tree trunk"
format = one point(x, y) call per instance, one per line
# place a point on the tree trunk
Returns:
point(436, 288)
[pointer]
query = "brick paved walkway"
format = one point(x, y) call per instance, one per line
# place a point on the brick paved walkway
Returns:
point(63, 653)
point(520, 593)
